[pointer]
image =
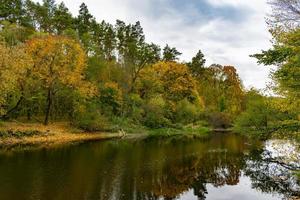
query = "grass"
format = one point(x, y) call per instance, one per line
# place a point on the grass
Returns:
point(127, 125)
point(185, 131)
point(14, 133)
point(131, 127)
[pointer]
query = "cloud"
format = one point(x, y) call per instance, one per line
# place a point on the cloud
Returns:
point(227, 31)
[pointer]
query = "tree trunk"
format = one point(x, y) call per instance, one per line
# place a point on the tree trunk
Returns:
point(48, 108)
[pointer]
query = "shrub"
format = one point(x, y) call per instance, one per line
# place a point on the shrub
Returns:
point(90, 119)
point(186, 112)
point(219, 120)
point(111, 98)
point(154, 111)
point(134, 107)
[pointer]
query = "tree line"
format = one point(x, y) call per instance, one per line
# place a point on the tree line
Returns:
point(56, 66)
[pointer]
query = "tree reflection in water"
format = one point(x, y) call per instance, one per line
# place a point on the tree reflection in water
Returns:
point(273, 174)
point(150, 169)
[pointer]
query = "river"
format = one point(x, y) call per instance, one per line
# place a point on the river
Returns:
point(218, 167)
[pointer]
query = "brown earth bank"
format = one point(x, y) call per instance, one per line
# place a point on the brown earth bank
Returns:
point(35, 134)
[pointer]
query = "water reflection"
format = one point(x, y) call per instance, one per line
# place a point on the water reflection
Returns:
point(150, 169)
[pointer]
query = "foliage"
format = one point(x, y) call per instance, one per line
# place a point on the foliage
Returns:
point(257, 112)
point(170, 54)
point(89, 118)
point(197, 65)
point(14, 69)
point(284, 27)
point(58, 62)
point(154, 113)
point(111, 98)
point(219, 120)
point(186, 112)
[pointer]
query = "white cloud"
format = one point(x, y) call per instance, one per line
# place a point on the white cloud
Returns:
point(224, 40)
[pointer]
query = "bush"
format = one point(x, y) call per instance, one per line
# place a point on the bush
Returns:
point(111, 98)
point(90, 119)
point(186, 112)
point(154, 111)
point(134, 107)
point(220, 120)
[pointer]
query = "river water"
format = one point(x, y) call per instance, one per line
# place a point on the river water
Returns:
point(219, 167)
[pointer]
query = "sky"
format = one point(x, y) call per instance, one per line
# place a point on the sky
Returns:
point(226, 31)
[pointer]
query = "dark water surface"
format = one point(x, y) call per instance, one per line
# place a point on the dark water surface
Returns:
point(219, 167)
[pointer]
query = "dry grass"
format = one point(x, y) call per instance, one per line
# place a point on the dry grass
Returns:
point(53, 134)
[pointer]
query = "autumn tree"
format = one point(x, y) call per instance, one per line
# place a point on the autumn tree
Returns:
point(58, 62)
point(169, 92)
point(14, 68)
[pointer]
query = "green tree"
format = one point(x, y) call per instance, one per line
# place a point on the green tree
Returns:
point(285, 55)
point(62, 19)
point(170, 54)
point(13, 11)
point(42, 15)
point(133, 52)
point(257, 115)
point(84, 20)
point(197, 65)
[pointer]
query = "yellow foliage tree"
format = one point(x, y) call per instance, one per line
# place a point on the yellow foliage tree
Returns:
point(14, 68)
point(173, 80)
point(58, 61)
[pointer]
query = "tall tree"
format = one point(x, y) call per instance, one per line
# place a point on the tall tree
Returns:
point(42, 15)
point(84, 20)
point(197, 64)
point(133, 52)
point(170, 54)
point(105, 40)
point(62, 19)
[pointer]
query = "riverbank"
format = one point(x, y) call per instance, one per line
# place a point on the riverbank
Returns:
point(35, 134)
point(60, 133)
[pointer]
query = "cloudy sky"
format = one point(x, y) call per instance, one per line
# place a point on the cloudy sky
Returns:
point(227, 31)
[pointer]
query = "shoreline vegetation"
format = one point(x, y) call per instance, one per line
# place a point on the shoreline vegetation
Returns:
point(14, 134)
point(35, 134)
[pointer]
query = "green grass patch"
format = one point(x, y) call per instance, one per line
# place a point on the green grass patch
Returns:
point(191, 130)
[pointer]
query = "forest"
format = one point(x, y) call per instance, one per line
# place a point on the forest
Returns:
point(97, 76)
